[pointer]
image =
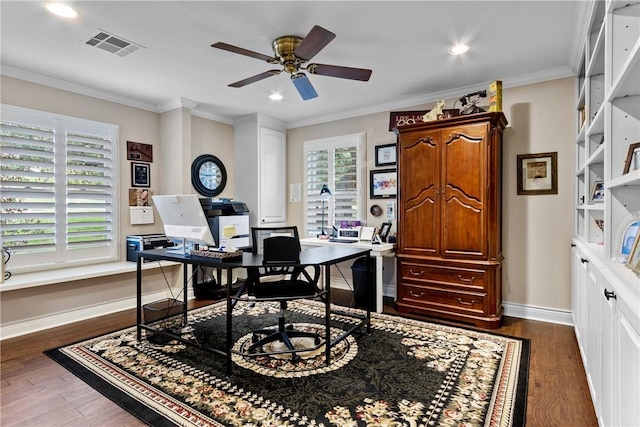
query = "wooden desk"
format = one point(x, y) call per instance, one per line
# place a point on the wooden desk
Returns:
point(322, 256)
point(378, 251)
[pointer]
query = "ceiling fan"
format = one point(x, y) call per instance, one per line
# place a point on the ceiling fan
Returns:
point(293, 53)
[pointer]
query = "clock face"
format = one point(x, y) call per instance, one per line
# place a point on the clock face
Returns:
point(208, 175)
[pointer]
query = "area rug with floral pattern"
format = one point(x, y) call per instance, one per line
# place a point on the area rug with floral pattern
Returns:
point(403, 372)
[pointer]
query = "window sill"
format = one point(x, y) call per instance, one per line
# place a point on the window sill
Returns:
point(52, 277)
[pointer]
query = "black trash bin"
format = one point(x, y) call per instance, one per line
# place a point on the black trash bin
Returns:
point(364, 284)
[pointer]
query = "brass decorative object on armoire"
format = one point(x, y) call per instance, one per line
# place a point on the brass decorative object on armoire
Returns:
point(449, 248)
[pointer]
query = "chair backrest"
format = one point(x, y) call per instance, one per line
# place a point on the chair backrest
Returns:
point(281, 249)
point(259, 234)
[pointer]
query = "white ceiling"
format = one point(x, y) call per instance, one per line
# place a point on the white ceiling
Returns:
point(404, 43)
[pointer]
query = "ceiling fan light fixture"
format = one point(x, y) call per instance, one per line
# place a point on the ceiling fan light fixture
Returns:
point(62, 10)
point(458, 49)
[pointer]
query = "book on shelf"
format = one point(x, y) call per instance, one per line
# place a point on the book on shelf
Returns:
point(495, 96)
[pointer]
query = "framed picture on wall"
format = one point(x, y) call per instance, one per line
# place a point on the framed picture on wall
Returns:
point(383, 183)
point(538, 173)
point(140, 175)
point(386, 155)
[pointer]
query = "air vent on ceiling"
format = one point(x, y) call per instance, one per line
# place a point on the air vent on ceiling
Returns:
point(113, 44)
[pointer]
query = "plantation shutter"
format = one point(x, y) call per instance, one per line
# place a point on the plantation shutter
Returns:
point(338, 163)
point(89, 187)
point(57, 192)
point(317, 175)
point(28, 188)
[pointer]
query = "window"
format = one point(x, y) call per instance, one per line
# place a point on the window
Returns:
point(57, 192)
point(339, 163)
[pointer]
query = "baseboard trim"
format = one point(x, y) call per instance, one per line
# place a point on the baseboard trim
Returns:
point(542, 314)
point(37, 324)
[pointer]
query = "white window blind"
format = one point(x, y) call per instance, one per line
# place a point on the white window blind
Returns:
point(57, 192)
point(338, 163)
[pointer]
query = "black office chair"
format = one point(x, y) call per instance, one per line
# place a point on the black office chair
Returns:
point(281, 280)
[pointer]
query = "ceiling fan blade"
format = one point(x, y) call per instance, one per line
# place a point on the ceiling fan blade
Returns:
point(361, 74)
point(241, 51)
point(304, 86)
point(313, 43)
point(255, 78)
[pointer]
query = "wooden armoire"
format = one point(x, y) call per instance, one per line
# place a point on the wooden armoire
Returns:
point(449, 248)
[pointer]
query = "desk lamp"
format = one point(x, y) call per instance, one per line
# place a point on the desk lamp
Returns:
point(325, 193)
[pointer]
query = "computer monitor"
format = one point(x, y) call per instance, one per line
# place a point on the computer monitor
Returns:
point(184, 219)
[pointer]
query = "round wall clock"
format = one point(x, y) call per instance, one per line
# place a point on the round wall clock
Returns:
point(208, 175)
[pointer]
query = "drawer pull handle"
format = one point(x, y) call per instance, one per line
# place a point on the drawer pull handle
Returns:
point(416, 295)
point(414, 273)
point(466, 279)
point(610, 294)
point(465, 302)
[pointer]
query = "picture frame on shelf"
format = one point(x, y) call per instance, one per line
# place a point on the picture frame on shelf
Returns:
point(597, 192)
point(633, 262)
point(385, 228)
point(140, 174)
point(632, 162)
point(625, 237)
point(383, 183)
point(386, 155)
point(537, 173)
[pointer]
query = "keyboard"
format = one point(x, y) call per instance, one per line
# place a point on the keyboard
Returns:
point(341, 241)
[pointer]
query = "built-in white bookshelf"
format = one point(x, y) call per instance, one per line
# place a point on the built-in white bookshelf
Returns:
point(605, 292)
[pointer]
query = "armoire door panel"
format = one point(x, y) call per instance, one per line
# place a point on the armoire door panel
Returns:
point(419, 185)
point(463, 228)
point(420, 227)
point(464, 162)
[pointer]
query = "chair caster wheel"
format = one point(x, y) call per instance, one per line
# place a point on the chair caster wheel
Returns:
point(316, 341)
point(254, 338)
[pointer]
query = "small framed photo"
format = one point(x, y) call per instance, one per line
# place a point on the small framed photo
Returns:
point(385, 228)
point(538, 173)
point(597, 192)
point(140, 175)
point(633, 262)
point(632, 162)
point(383, 183)
point(386, 155)
point(139, 151)
point(624, 239)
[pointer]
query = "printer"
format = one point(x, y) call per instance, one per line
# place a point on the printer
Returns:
point(143, 242)
point(228, 220)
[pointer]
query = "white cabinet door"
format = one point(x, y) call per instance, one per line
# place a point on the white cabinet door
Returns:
point(608, 340)
point(273, 176)
point(628, 373)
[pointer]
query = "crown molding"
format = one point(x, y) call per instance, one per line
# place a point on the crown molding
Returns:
point(406, 103)
point(32, 77)
point(400, 104)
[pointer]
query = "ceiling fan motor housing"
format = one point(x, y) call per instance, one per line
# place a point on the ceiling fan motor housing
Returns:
point(283, 48)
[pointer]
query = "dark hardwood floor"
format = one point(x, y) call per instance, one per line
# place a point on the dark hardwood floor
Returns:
point(37, 392)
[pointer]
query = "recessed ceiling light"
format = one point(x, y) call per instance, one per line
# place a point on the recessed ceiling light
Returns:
point(275, 97)
point(458, 49)
point(62, 10)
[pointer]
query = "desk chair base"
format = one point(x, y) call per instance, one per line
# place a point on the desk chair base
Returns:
point(283, 334)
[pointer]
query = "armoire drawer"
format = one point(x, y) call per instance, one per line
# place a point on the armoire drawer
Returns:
point(423, 274)
point(435, 299)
